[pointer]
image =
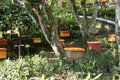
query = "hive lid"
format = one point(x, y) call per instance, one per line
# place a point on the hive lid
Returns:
point(36, 38)
point(65, 31)
point(3, 40)
point(93, 42)
point(75, 49)
point(112, 35)
point(62, 40)
point(3, 49)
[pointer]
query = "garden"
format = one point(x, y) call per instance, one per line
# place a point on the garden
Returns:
point(59, 40)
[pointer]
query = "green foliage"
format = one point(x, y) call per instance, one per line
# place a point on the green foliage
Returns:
point(102, 13)
point(37, 66)
point(107, 13)
point(25, 24)
point(4, 17)
point(12, 16)
point(12, 70)
point(64, 16)
point(36, 33)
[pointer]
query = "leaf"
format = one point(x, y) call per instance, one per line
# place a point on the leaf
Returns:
point(88, 77)
point(98, 76)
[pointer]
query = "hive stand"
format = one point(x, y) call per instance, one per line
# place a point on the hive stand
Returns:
point(19, 49)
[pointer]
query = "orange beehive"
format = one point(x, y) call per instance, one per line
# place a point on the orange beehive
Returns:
point(103, 1)
point(64, 33)
point(3, 53)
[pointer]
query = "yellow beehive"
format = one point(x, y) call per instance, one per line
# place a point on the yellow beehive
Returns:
point(74, 52)
point(112, 38)
point(77, 3)
point(36, 40)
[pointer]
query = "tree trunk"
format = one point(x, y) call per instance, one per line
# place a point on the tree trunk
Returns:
point(53, 40)
point(76, 16)
point(95, 13)
point(117, 28)
point(53, 37)
point(84, 27)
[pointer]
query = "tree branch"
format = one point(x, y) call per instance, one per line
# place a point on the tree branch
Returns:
point(41, 24)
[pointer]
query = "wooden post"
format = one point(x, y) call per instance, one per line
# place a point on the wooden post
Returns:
point(19, 49)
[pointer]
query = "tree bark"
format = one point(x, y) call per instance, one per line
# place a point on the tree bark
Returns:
point(117, 26)
point(76, 16)
point(83, 27)
point(95, 13)
point(54, 39)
